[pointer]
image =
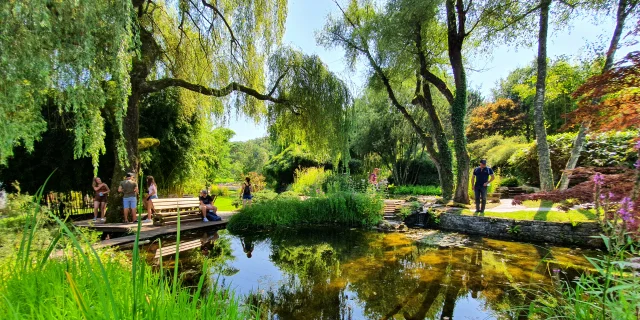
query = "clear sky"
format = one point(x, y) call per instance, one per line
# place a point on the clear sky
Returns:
point(306, 17)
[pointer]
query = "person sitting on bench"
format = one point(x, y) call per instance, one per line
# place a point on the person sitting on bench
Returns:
point(206, 205)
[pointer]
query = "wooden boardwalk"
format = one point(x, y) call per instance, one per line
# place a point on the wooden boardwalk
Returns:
point(147, 230)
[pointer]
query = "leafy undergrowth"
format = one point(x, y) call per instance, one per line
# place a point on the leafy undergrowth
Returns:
point(542, 215)
point(346, 209)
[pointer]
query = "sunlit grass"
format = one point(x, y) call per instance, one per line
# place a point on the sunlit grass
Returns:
point(546, 215)
point(539, 204)
point(225, 203)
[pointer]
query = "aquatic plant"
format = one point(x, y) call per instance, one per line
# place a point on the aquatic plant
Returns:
point(347, 209)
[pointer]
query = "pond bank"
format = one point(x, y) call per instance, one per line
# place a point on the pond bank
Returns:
point(567, 233)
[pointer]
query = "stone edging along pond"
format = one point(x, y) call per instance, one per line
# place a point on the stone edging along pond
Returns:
point(576, 234)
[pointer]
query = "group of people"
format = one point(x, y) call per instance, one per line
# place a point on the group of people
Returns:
point(129, 189)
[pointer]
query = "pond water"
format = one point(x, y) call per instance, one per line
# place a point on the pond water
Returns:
point(356, 274)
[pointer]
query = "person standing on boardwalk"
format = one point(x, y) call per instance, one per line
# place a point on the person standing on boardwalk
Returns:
point(482, 176)
point(99, 198)
point(129, 189)
point(152, 194)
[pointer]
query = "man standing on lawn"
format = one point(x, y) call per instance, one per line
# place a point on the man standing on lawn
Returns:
point(480, 182)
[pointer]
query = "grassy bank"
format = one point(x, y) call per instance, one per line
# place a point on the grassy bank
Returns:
point(543, 215)
point(347, 209)
point(55, 274)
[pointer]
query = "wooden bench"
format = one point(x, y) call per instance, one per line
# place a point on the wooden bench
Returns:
point(166, 210)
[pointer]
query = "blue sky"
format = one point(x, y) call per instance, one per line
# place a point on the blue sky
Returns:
point(306, 17)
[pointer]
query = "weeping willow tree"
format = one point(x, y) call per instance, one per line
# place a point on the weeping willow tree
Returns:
point(317, 112)
point(105, 56)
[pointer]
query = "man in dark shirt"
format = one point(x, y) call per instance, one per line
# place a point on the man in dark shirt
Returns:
point(206, 204)
point(480, 182)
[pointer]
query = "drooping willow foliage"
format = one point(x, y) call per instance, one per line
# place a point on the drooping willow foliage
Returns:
point(318, 105)
point(102, 57)
point(76, 52)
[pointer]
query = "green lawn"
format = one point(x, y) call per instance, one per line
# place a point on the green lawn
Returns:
point(539, 204)
point(225, 203)
point(551, 216)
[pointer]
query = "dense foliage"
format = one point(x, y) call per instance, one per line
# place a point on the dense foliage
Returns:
point(600, 150)
point(345, 209)
point(501, 117)
point(617, 91)
point(563, 78)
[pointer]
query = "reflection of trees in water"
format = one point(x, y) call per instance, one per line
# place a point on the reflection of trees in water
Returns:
point(393, 276)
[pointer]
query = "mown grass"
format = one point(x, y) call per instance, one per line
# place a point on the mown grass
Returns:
point(225, 203)
point(346, 209)
point(543, 215)
point(82, 283)
point(539, 204)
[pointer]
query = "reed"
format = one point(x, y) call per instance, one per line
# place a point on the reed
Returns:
point(343, 208)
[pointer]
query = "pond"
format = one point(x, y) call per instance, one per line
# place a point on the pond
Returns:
point(357, 274)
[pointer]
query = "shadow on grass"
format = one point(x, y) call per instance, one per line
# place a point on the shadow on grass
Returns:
point(588, 213)
point(543, 211)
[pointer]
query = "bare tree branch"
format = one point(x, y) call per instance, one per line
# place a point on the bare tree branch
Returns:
point(157, 85)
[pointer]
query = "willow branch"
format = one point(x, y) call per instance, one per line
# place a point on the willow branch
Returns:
point(157, 85)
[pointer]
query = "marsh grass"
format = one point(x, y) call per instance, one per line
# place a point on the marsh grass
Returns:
point(610, 291)
point(343, 208)
point(84, 283)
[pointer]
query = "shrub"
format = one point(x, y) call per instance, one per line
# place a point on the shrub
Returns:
point(510, 182)
point(415, 190)
point(288, 194)
point(608, 149)
point(346, 209)
point(496, 149)
point(309, 181)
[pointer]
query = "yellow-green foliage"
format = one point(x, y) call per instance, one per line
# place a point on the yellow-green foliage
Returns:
point(496, 149)
point(309, 181)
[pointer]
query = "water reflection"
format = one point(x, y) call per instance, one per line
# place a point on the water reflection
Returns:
point(353, 274)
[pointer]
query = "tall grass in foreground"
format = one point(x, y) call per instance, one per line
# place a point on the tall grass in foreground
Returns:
point(346, 209)
point(84, 283)
point(611, 292)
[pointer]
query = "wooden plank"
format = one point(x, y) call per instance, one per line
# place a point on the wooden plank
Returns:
point(192, 217)
point(175, 213)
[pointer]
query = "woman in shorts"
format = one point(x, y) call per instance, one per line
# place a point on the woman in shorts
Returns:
point(101, 190)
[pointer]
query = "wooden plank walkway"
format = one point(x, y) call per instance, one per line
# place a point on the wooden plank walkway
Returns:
point(147, 230)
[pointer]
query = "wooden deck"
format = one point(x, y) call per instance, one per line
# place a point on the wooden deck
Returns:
point(148, 230)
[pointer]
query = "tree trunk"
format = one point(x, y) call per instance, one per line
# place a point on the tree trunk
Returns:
point(130, 130)
point(458, 111)
point(456, 33)
point(608, 63)
point(140, 69)
point(575, 155)
point(544, 159)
